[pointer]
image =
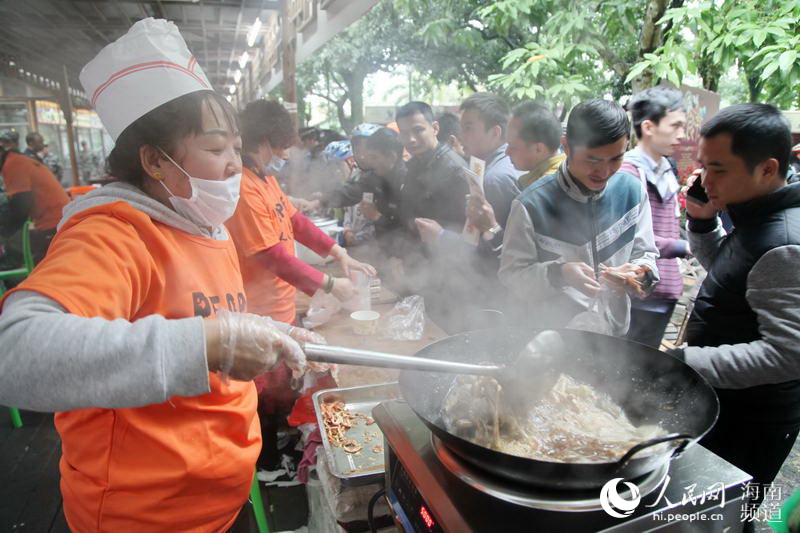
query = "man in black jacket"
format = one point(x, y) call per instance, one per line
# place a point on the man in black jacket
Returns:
point(435, 187)
point(435, 190)
point(379, 180)
point(744, 332)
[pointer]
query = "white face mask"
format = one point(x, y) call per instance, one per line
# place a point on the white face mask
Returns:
point(274, 166)
point(212, 201)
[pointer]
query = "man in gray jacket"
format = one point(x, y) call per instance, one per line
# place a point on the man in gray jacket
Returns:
point(472, 284)
point(744, 332)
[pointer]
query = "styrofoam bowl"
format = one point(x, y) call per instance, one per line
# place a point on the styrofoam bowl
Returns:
point(365, 322)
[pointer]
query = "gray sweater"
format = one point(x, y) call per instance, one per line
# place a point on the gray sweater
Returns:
point(773, 292)
point(55, 361)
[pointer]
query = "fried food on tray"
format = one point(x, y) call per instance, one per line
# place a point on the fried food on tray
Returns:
point(338, 419)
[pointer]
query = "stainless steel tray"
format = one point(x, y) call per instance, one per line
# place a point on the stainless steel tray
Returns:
point(366, 466)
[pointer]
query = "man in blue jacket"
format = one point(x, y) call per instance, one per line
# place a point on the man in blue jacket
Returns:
point(566, 225)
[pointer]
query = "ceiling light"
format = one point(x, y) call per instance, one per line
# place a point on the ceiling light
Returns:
point(252, 33)
point(231, 89)
point(237, 76)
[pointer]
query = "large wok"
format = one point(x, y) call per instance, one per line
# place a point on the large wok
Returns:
point(652, 388)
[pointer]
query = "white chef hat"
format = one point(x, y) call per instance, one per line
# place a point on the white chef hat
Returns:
point(148, 66)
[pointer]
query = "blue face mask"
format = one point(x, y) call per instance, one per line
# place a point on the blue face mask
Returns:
point(274, 166)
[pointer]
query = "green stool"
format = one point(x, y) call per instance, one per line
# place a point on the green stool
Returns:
point(789, 520)
point(23, 271)
point(258, 506)
point(16, 420)
point(27, 259)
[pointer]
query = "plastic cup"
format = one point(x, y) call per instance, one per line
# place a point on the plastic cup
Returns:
point(363, 298)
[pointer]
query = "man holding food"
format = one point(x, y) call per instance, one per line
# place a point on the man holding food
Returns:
point(583, 234)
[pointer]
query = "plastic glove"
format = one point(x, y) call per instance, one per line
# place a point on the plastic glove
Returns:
point(349, 264)
point(343, 289)
point(245, 345)
point(303, 335)
point(306, 335)
point(297, 333)
point(312, 369)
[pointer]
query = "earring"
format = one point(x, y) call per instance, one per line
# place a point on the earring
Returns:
point(158, 176)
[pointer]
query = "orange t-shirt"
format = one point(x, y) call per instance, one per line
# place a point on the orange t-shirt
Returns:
point(22, 174)
point(263, 219)
point(183, 465)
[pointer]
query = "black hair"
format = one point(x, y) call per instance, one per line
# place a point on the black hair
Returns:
point(539, 124)
point(448, 125)
point(163, 127)
point(597, 122)
point(266, 120)
point(653, 104)
point(329, 136)
point(413, 108)
point(386, 142)
point(758, 132)
point(492, 109)
point(31, 136)
point(311, 132)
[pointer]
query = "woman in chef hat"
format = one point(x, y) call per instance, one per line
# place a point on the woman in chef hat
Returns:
point(133, 328)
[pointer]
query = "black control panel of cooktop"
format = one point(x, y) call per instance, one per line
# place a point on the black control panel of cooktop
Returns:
point(416, 511)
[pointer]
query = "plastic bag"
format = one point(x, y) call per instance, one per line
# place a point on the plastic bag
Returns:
point(406, 321)
point(609, 312)
point(322, 307)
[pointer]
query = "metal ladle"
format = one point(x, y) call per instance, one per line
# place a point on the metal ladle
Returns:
point(533, 370)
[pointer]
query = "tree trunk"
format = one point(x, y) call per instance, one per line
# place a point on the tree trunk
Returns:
point(642, 81)
point(344, 121)
point(354, 80)
point(302, 118)
point(652, 37)
point(754, 86)
point(357, 99)
point(709, 72)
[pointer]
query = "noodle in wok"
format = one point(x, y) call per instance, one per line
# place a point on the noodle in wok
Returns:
point(573, 423)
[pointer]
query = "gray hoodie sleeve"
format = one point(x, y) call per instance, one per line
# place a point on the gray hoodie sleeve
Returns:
point(520, 269)
point(773, 291)
point(56, 361)
point(705, 238)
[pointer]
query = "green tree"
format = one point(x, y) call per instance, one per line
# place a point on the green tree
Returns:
point(707, 39)
point(560, 51)
point(378, 41)
point(451, 43)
